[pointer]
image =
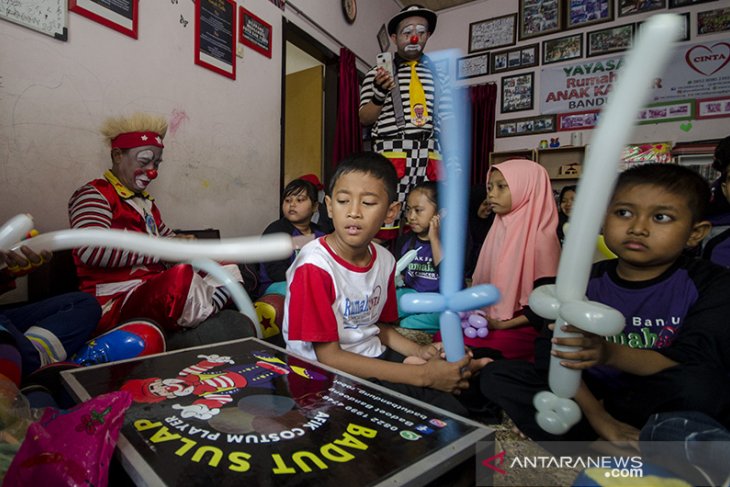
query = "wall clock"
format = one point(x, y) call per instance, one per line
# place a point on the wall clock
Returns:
point(349, 8)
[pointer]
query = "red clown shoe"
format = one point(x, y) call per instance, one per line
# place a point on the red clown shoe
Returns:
point(131, 339)
point(270, 310)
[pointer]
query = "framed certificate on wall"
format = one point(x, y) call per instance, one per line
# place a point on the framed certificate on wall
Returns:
point(254, 32)
point(215, 41)
point(120, 15)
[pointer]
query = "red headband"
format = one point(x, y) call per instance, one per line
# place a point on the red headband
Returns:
point(136, 139)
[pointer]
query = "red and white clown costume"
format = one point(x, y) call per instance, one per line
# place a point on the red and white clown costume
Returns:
point(129, 285)
point(213, 388)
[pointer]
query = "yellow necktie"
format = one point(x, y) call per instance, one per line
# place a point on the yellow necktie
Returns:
point(419, 112)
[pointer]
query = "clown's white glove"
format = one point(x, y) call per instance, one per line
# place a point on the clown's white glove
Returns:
point(199, 411)
point(217, 359)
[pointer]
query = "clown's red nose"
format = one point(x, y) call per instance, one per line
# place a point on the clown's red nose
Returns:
point(151, 173)
point(414, 39)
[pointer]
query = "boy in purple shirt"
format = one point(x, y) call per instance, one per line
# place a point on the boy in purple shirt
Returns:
point(674, 352)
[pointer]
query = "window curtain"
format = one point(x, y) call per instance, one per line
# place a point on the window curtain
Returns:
point(483, 110)
point(348, 133)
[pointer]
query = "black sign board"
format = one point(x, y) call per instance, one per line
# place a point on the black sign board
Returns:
point(247, 413)
point(215, 42)
point(255, 33)
point(120, 15)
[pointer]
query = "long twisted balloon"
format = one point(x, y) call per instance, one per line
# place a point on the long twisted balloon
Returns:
point(249, 249)
point(453, 191)
point(565, 301)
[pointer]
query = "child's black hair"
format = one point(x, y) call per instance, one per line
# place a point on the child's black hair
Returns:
point(430, 189)
point(679, 180)
point(298, 186)
point(368, 163)
point(722, 157)
point(565, 189)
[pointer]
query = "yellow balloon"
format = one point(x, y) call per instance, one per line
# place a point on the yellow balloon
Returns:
point(605, 251)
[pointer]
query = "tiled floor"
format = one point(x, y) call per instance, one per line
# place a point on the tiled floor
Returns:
point(509, 440)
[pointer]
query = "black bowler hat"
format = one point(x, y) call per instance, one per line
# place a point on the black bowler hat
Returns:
point(413, 11)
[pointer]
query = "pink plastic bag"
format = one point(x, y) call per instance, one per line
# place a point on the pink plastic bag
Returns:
point(71, 447)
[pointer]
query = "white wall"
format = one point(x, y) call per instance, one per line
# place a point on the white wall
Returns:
point(222, 157)
point(453, 32)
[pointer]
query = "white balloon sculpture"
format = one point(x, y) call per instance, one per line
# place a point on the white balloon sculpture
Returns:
point(248, 249)
point(401, 265)
point(403, 262)
point(565, 301)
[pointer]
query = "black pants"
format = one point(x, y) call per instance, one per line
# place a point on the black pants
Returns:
point(512, 384)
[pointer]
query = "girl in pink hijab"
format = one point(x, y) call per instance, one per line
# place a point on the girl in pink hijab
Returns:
point(521, 246)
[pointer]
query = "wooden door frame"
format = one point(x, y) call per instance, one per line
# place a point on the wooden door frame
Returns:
point(295, 35)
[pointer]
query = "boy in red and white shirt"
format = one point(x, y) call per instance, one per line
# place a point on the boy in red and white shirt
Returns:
point(341, 290)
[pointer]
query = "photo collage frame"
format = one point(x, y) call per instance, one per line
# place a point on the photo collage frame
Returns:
point(472, 66)
point(516, 58)
point(492, 33)
point(540, 124)
point(494, 49)
point(518, 92)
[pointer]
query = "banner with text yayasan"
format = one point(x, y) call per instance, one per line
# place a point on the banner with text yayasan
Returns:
point(698, 70)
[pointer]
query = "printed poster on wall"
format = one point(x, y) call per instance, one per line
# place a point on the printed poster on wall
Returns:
point(699, 70)
point(254, 32)
point(696, 71)
point(247, 413)
point(215, 42)
point(578, 87)
point(120, 15)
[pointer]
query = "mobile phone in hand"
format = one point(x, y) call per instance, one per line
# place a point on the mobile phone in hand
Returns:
point(385, 60)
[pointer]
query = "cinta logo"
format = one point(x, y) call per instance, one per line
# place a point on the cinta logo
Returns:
point(495, 460)
point(706, 59)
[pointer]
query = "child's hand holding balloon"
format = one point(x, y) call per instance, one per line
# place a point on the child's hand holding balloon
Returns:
point(589, 349)
point(23, 262)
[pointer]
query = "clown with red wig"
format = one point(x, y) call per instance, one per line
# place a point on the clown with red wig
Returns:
point(126, 284)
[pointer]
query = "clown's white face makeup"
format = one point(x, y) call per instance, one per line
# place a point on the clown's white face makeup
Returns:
point(411, 38)
point(170, 388)
point(137, 167)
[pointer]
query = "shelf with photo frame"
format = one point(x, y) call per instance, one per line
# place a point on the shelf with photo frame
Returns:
point(497, 157)
point(563, 164)
point(698, 155)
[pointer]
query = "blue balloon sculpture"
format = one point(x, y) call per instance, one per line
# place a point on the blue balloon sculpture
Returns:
point(453, 191)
